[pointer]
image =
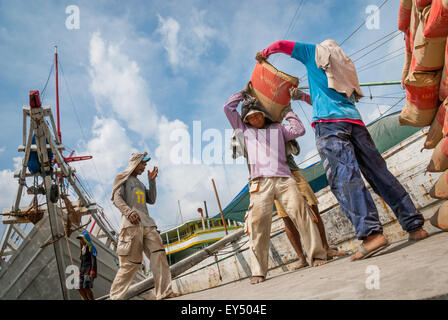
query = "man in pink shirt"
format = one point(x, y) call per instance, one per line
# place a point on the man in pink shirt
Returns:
point(271, 179)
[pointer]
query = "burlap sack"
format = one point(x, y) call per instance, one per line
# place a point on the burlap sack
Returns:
point(422, 98)
point(406, 67)
point(414, 23)
point(435, 133)
point(439, 160)
point(440, 188)
point(443, 92)
point(271, 87)
point(428, 53)
point(404, 15)
point(421, 4)
point(445, 120)
point(437, 22)
point(440, 218)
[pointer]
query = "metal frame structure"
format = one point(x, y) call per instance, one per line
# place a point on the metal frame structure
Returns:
point(47, 140)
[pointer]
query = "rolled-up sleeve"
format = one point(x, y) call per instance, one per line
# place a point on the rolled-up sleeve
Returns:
point(295, 128)
point(230, 110)
point(151, 193)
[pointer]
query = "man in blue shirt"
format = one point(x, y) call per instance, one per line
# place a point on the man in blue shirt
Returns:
point(346, 147)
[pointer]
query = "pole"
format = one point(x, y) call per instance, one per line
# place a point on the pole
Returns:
point(57, 93)
point(206, 211)
point(180, 212)
point(219, 205)
point(368, 84)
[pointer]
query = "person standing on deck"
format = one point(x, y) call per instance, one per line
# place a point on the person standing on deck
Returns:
point(138, 231)
point(270, 179)
point(346, 147)
point(88, 268)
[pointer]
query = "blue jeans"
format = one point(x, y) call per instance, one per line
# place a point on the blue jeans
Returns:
point(346, 149)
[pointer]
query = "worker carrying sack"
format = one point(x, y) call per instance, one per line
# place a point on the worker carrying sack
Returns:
point(271, 88)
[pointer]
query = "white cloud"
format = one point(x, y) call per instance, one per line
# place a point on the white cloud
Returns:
point(117, 85)
point(169, 29)
point(8, 189)
point(111, 146)
point(185, 46)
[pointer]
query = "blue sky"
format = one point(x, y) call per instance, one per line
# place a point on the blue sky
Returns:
point(135, 71)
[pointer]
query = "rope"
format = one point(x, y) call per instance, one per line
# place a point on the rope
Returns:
point(46, 83)
point(84, 137)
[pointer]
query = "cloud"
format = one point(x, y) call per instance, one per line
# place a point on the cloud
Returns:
point(185, 46)
point(116, 84)
point(111, 145)
point(169, 29)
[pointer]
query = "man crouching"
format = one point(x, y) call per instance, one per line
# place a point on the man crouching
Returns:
point(138, 231)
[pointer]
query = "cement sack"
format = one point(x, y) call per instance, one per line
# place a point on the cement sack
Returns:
point(421, 4)
point(445, 121)
point(271, 87)
point(422, 98)
point(404, 15)
point(414, 23)
point(440, 218)
point(440, 188)
point(408, 57)
point(443, 91)
point(439, 159)
point(406, 67)
point(435, 133)
point(437, 22)
point(428, 53)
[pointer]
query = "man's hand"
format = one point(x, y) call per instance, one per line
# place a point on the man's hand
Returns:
point(295, 93)
point(246, 91)
point(153, 174)
point(134, 218)
point(285, 111)
point(260, 56)
point(92, 274)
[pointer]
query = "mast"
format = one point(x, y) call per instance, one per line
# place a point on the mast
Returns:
point(57, 93)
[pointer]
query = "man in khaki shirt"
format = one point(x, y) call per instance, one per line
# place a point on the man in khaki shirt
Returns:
point(138, 231)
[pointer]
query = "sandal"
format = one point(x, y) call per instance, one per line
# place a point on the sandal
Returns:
point(368, 253)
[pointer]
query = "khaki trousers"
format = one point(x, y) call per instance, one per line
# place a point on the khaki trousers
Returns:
point(305, 190)
point(132, 242)
point(259, 219)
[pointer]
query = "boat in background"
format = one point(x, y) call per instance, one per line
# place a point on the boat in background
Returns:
point(193, 235)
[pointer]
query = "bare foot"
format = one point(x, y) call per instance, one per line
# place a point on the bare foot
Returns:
point(318, 262)
point(417, 235)
point(256, 279)
point(302, 264)
point(331, 253)
point(370, 243)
